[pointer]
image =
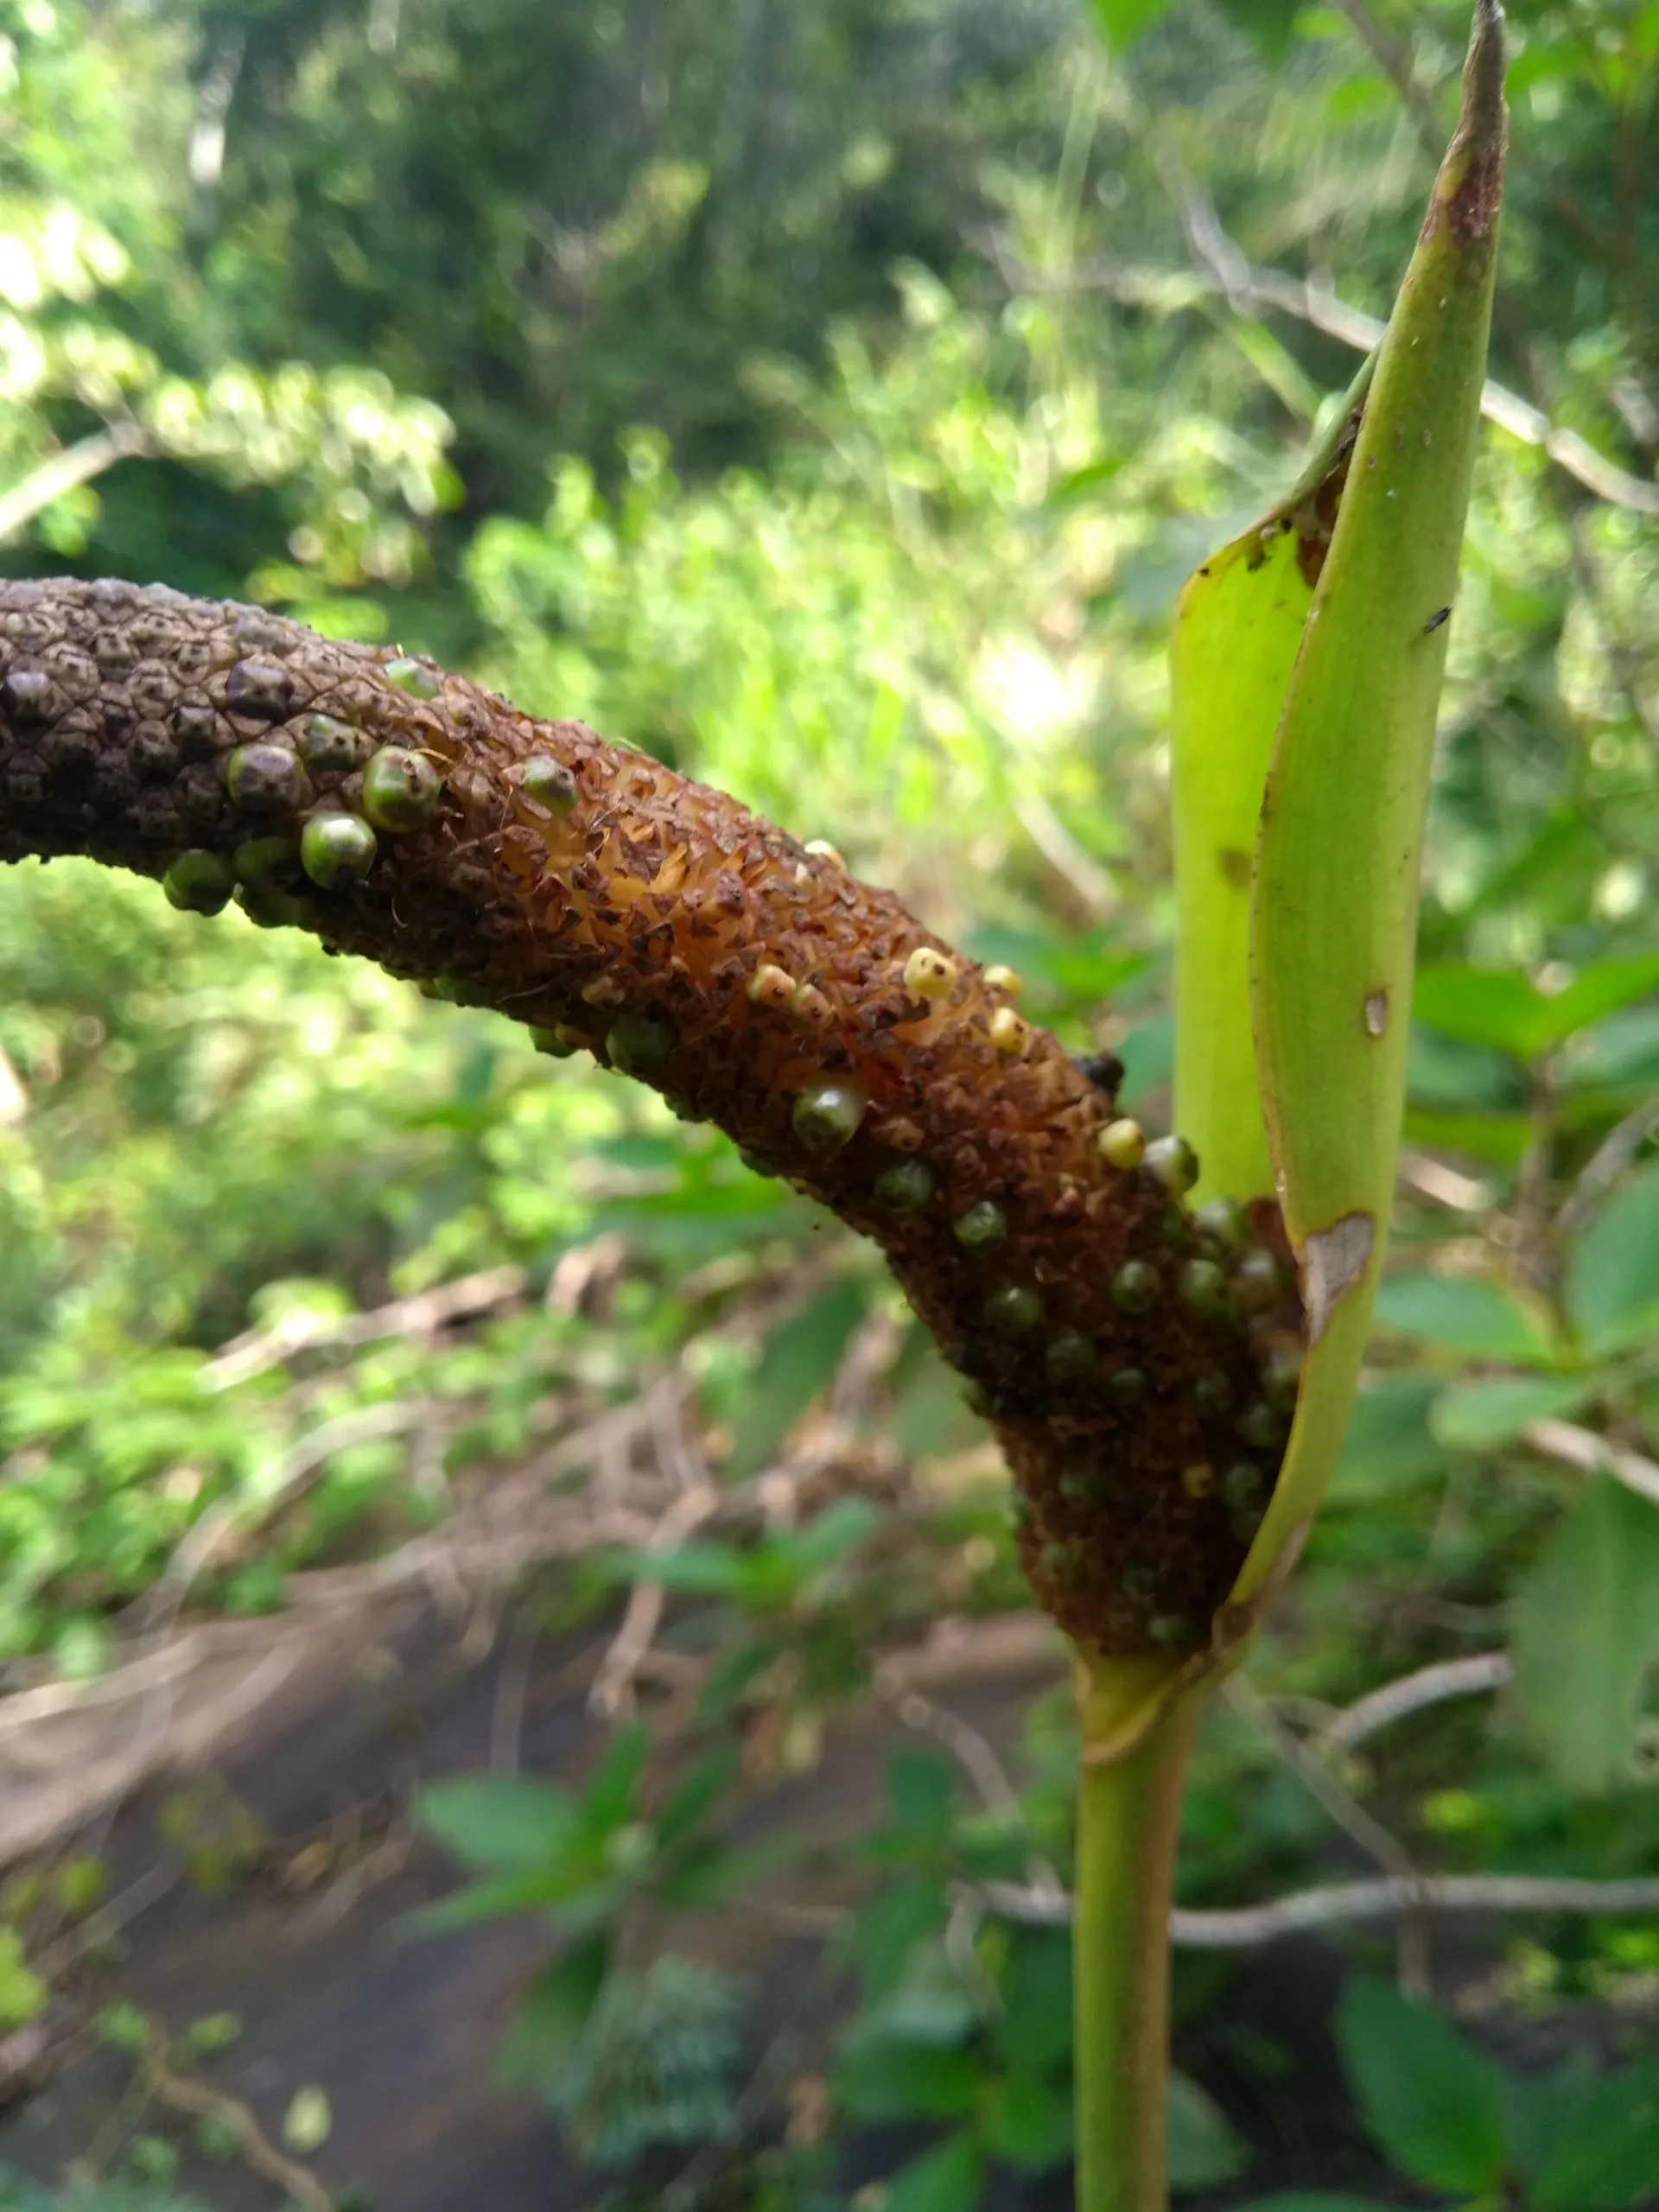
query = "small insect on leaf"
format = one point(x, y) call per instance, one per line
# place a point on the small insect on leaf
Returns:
point(1440, 614)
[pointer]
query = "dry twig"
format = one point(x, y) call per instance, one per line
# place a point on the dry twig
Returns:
point(1380, 1709)
point(1350, 1815)
point(182, 2093)
point(1337, 1903)
point(1564, 1440)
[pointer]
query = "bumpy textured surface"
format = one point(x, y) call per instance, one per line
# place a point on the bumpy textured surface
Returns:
point(582, 888)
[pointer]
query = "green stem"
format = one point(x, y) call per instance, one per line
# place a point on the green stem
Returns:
point(1128, 1813)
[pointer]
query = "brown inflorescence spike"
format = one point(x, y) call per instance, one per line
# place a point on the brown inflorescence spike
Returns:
point(589, 891)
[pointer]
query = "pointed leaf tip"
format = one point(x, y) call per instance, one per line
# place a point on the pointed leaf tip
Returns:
point(1470, 187)
point(1482, 115)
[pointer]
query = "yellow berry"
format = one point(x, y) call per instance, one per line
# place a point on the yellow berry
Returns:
point(929, 974)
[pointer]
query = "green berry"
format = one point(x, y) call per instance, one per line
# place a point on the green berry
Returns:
point(336, 849)
point(400, 790)
point(1174, 1162)
point(827, 1117)
point(1134, 1288)
point(267, 906)
point(328, 745)
point(1127, 1387)
point(1067, 1359)
point(199, 883)
point(1264, 1426)
point(548, 782)
point(264, 859)
point(1258, 1280)
point(410, 675)
point(1202, 1287)
point(905, 1187)
point(984, 1223)
point(551, 1042)
point(639, 1043)
point(266, 779)
point(1015, 1310)
point(1224, 1220)
point(1170, 1629)
point(1242, 1483)
point(1282, 1378)
point(1212, 1393)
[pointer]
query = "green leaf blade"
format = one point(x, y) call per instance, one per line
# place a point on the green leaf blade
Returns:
point(1334, 914)
point(1493, 1410)
point(1612, 1281)
point(504, 1822)
point(1434, 2101)
point(1586, 1631)
point(1463, 1315)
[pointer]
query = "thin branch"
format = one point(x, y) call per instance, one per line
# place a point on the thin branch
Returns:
point(973, 1754)
point(1250, 290)
point(1368, 1716)
point(612, 1694)
point(1350, 1815)
point(428, 1311)
point(1393, 56)
point(1591, 1454)
point(274, 1486)
point(1445, 1186)
point(1336, 1904)
point(511, 1692)
point(1609, 1160)
point(1087, 880)
point(75, 464)
point(183, 2093)
point(101, 1927)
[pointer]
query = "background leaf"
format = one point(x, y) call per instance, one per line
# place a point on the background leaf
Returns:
point(1432, 2101)
point(1479, 1416)
point(1587, 1633)
point(1461, 1313)
point(1389, 1444)
point(1123, 21)
point(1205, 2147)
point(1603, 2154)
point(1612, 1277)
point(799, 1359)
point(499, 1820)
point(943, 2179)
point(880, 2077)
point(1491, 1006)
point(550, 2016)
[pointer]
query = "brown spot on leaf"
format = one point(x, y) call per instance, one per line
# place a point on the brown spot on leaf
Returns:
point(1333, 1260)
point(1235, 866)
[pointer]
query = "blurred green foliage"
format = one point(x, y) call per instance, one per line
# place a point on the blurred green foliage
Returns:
point(831, 397)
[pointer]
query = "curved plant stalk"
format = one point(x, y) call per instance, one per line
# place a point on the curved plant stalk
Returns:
point(404, 815)
point(1308, 657)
